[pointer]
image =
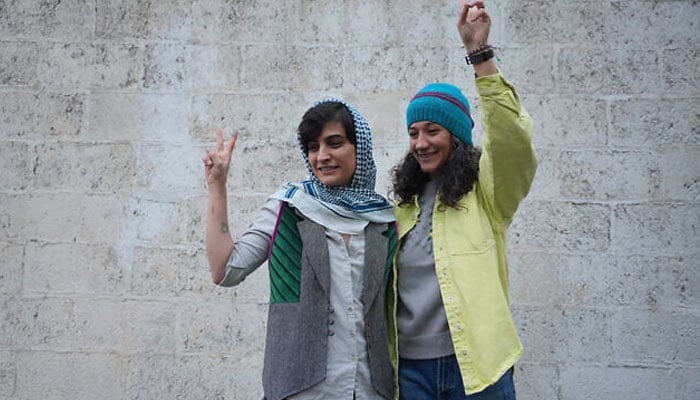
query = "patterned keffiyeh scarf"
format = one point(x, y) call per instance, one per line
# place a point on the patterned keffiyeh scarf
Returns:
point(343, 209)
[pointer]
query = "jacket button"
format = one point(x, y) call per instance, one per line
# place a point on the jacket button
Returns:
point(331, 333)
point(331, 322)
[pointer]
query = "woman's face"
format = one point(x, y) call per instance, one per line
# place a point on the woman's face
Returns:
point(332, 156)
point(430, 144)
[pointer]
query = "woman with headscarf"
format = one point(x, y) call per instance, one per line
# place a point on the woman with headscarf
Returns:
point(329, 241)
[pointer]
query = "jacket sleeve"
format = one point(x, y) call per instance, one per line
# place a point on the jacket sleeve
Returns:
point(508, 161)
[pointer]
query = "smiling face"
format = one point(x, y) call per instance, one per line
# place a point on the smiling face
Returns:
point(430, 144)
point(332, 156)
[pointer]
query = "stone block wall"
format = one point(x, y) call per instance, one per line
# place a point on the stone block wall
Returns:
point(107, 106)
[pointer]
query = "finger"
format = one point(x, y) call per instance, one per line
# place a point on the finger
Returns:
point(476, 3)
point(476, 14)
point(463, 12)
point(232, 142)
point(219, 140)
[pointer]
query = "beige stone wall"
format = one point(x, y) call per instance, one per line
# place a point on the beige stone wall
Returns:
point(107, 106)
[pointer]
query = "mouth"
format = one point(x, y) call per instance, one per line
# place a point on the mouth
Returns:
point(326, 170)
point(424, 156)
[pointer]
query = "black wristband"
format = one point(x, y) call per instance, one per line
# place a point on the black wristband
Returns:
point(479, 57)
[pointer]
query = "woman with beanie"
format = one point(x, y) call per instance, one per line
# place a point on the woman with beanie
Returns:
point(329, 241)
point(456, 337)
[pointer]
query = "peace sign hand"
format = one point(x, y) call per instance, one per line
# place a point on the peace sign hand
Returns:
point(217, 162)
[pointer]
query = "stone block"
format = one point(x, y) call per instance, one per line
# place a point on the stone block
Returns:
point(78, 376)
point(535, 380)
point(680, 174)
point(592, 72)
point(17, 165)
point(262, 167)
point(149, 326)
point(680, 71)
point(567, 122)
point(655, 122)
point(532, 73)
point(260, 118)
point(85, 166)
point(550, 22)
point(138, 117)
point(169, 272)
point(181, 222)
point(8, 375)
point(12, 221)
point(119, 19)
point(535, 278)
point(386, 117)
point(584, 382)
point(398, 23)
point(41, 116)
point(62, 20)
point(379, 69)
point(658, 336)
point(571, 336)
point(638, 281)
point(302, 68)
point(569, 226)
point(608, 175)
point(72, 268)
point(171, 20)
point(216, 21)
point(18, 63)
point(665, 24)
point(178, 66)
point(91, 66)
point(655, 229)
point(11, 260)
point(223, 327)
point(91, 218)
point(194, 377)
point(62, 324)
point(169, 169)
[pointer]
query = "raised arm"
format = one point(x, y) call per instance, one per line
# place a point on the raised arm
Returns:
point(218, 238)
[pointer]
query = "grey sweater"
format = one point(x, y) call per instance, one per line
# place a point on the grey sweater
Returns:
point(421, 319)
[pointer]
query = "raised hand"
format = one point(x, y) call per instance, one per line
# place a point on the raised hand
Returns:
point(218, 161)
point(474, 24)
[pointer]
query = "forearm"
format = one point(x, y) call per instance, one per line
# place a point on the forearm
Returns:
point(218, 239)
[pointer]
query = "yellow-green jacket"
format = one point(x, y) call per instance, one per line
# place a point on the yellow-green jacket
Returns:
point(469, 243)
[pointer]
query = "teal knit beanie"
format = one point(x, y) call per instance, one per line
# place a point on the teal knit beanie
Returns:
point(443, 104)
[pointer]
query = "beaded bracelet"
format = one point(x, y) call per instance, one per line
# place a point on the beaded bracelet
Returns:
point(482, 46)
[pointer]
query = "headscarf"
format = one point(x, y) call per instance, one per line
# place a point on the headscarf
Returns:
point(343, 209)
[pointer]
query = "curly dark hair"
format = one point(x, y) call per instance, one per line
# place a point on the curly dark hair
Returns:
point(456, 179)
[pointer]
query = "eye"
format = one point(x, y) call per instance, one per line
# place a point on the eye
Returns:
point(412, 134)
point(433, 131)
point(336, 143)
point(312, 147)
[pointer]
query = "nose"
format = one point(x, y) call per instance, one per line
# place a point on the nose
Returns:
point(420, 142)
point(323, 152)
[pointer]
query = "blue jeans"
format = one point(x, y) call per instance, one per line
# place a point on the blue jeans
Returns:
point(439, 379)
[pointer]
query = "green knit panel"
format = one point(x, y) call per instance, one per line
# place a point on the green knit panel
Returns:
point(285, 259)
point(393, 242)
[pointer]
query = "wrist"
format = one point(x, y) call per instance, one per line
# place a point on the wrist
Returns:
point(217, 188)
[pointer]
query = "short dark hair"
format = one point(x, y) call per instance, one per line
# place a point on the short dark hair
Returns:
point(457, 178)
point(316, 117)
